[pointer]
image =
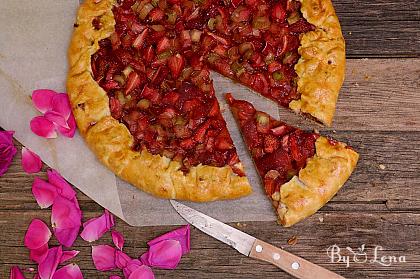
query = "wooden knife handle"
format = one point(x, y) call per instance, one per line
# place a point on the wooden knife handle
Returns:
point(290, 263)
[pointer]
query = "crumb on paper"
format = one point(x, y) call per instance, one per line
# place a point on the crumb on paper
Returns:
point(356, 84)
point(334, 131)
point(350, 33)
point(367, 77)
point(382, 167)
point(293, 240)
point(321, 219)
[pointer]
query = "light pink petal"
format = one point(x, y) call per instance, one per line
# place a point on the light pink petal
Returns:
point(165, 254)
point(181, 234)
point(57, 119)
point(68, 132)
point(114, 277)
point(37, 235)
point(42, 99)
point(103, 257)
point(121, 259)
point(31, 162)
point(68, 255)
point(39, 255)
point(143, 272)
point(118, 239)
point(66, 237)
point(43, 127)
point(61, 104)
point(65, 214)
point(131, 267)
point(70, 271)
point(95, 228)
point(43, 192)
point(16, 273)
point(63, 188)
point(47, 268)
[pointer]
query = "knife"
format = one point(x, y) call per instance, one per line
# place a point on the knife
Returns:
point(252, 247)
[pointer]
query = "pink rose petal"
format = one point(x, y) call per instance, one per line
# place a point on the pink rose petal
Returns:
point(63, 188)
point(131, 267)
point(43, 127)
point(118, 239)
point(121, 259)
point(94, 228)
point(31, 162)
point(60, 103)
point(7, 150)
point(57, 119)
point(39, 255)
point(181, 234)
point(47, 268)
point(68, 255)
point(103, 257)
point(37, 235)
point(68, 132)
point(65, 214)
point(165, 254)
point(114, 277)
point(16, 273)
point(67, 237)
point(70, 271)
point(43, 192)
point(42, 99)
point(143, 272)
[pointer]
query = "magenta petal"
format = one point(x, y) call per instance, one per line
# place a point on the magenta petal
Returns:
point(68, 255)
point(42, 99)
point(95, 228)
point(7, 150)
point(143, 272)
point(60, 103)
point(103, 257)
point(16, 273)
point(47, 268)
point(37, 235)
point(56, 118)
point(31, 162)
point(43, 192)
point(39, 255)
point(65, 214)
point(66, 237)
point(68, 132)
point(121, 259)
point(118, 239)
point(181, 234)
point(63, 188)
point(165, 254)
point(43, 127)
point(114, 277)
point(131, 267)
point(70, 271)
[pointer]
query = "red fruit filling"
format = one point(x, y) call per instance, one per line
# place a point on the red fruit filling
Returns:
point(279, 151)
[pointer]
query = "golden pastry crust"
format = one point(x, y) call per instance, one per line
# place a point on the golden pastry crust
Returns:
point(325, 173)
point(321, 67)
point(111, 141)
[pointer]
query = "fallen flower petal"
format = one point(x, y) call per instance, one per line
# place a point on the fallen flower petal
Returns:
point(68, 255)
point(7, 150)
point(43, 192)
point(70, 271)
point(47, 268)
point(181, 234)
point(165, 254)
point(43, 127)
point(68, 132)
point(37, 235)
point(60, 103)
point(118, 239)
point(31, 163)
point(95, 228)
point(42, 99)
point(121, 259)
point(143, 272)
point(103, 257)
point(57, 119)
point(114, 277)
point(65, 214)
point(16, 273)
point(131, 267)
point(63, 188)
point(67, 237)
point(39, 255)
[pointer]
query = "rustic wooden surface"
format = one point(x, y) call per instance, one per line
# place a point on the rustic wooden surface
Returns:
point(378, 113)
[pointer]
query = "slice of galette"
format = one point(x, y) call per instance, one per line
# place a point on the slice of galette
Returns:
point(301, 171)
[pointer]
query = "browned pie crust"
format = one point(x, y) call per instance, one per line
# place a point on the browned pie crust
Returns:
point(321, 67)
point(111, 141)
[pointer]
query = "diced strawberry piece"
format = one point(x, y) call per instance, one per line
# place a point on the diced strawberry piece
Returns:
point(301, 26)
point(236, 3)
point(133, 82)
point(187, 143)
point(241, 14)
point(274, 66)
point(176, 65)
point(115, 107)
point(271, 143)
point(201, 132)
point(150, 94)
point(163, 45)
point(189, 105)
point(250, 133)
point(260, 83)
point(224, 143)
point(279, 130)
point(149, 54)
point(182, 131)
point(138, 42)
point(171, 98)
point(214, 110)
point(193, 15)
point(115, 40)
point(137, 65)
point(220, 50)
point(185, 39)
point(278, 13)
point(137, 27)
point(156, 15)
point(110, 85)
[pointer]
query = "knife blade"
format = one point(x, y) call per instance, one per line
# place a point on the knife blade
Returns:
point(253, 247)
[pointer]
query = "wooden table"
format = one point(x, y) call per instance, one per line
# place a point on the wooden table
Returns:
point(378, 114)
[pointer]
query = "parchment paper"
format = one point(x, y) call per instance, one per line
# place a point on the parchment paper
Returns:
point(34, 36)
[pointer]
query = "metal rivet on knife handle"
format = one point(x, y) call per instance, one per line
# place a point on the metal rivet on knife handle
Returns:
point(276, 256)
point(295, 265)
point(258, 248)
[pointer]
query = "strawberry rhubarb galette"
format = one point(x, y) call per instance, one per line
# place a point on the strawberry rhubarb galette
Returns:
point(143, 99)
